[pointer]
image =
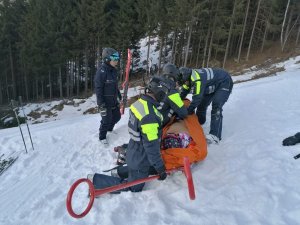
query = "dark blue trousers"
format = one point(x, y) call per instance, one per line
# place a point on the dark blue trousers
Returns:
point(108, 122)
point(102, 181)
point(217, 99)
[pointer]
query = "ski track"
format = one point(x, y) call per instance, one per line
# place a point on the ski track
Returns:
point(249, 178)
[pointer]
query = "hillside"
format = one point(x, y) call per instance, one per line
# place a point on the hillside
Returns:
point(249, 178)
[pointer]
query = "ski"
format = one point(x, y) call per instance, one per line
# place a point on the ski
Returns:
point(5, 164)
point(126, 82)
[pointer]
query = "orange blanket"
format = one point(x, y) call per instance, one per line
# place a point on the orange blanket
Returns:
point(197, 149)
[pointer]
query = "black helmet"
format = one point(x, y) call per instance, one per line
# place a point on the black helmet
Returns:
point(170, 71)
point(159, 87)
point(109, 54)
point(184, 75)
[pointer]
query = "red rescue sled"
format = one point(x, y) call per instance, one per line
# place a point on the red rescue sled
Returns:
point(97, 192)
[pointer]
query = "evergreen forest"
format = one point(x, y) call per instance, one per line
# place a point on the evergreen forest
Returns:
point(51, 48)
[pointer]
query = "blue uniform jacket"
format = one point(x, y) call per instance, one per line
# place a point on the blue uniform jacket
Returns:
point(145, 131)
point(106, 86)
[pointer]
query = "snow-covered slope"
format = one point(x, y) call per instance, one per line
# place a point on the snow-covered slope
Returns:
point(249, 178)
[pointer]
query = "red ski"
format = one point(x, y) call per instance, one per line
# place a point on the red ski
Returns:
point(93, 193)
point(126, 82)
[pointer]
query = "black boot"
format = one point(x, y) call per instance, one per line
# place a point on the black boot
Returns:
point(292, 140)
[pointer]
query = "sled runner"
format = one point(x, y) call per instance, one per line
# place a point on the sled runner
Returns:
point(186, 169)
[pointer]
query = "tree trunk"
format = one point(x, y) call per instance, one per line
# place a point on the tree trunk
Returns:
point(283, 24)
point(265, 33)
point(212, 34)
point(148, 54)
point(230, 33)
point(7, 87)
point(12, 72)
point(205, 47)
point(26, 86)
point(37, 88)
point(243, 32)
point(43, 95)
point(160, 52)
point(50, 84)
point(1, 96)
point(253, 29)
point(173, 47)
point(77, 69)
point(190, 28)
point(298, 34)
point(72, 78)
point(198, 51)
point(68, 79)
point(86, 74)
point(60, 82)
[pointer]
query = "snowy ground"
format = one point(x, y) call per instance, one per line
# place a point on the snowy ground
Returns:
point(249, 178)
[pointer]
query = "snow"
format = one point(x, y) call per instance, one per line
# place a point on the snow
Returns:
point(249, 178)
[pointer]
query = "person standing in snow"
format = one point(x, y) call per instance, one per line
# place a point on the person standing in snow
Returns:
point(172, 103)
point(208, 86)
point(107, 93)
point(143, 155)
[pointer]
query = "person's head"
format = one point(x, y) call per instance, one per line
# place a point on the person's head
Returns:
point(158, 88)
point(184, 75)
point(110, 56)
point(171, 72)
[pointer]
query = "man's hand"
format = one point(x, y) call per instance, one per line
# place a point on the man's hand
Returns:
point(162, 173)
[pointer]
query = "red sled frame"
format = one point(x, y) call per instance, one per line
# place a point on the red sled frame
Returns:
point(97, 192)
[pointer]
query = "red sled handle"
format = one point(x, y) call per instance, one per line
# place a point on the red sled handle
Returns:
point(97, 192)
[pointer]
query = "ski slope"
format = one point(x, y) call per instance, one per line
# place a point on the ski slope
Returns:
point(249, 178)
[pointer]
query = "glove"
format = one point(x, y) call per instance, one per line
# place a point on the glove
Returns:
point(102, 110)
point(162, 173)
point(292, 140)
point(190, 110)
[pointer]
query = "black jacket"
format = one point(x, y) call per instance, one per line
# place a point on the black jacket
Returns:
point(106, 86)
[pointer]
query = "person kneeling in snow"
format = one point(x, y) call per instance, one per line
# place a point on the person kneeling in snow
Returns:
point(143, 155)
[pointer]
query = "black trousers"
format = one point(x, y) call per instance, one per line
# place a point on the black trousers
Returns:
point(108, 122)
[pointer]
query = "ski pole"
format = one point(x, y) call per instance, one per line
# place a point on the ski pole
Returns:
point(20, 99)
point(14, 109)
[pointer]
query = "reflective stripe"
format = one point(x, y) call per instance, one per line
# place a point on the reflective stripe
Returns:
point(195, 76)
point(225, 89)
point(171, 111)
point(185, 87)
point(211, 89)
point(209, 73)
point(198, 87)
point(140, 108)
point(151, 130)
point(133, 132)
point(161, 104)
point(176, 99)
point(134, 138)
point(158, 114)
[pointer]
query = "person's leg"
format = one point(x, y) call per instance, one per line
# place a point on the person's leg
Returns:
point(220, 98)
point(102, 181)
point(135, 175)
point(116, 116)
point(202, 108)
point(105, 124)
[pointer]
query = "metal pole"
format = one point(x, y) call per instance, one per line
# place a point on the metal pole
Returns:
point(14, 109)
point(20, 99)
